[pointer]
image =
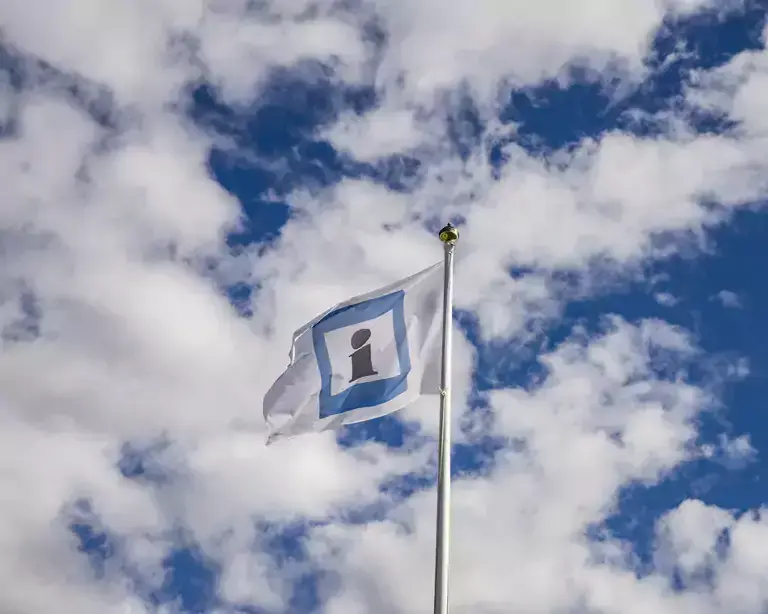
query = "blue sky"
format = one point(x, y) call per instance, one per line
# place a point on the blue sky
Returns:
point(185, 186)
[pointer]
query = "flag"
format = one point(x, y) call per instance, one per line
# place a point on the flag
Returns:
point(362, 359)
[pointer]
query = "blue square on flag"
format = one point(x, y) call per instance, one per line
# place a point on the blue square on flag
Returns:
point(362, 354)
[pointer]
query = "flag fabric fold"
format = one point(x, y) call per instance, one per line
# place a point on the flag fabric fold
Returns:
point(362, 359)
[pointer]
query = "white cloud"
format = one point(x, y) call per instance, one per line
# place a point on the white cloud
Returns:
point(732, 453)
point(728, 299)
point(434, 49)
point(666, 299)
point(378, 134)
point(689, 534)
point(108, 234)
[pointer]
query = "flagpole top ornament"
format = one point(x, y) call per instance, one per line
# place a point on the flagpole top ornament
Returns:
point(449, 234)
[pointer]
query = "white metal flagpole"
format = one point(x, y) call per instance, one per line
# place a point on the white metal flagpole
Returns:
point(448, 235)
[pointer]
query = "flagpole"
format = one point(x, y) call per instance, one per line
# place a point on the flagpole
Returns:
point(448, 235)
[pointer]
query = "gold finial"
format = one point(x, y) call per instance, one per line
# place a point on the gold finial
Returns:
point(449, 234)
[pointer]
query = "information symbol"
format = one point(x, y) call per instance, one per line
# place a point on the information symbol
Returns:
point(362, 363)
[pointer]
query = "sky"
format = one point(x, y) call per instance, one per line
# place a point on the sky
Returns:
point(187, 182)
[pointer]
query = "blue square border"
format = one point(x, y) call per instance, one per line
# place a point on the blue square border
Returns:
point(365, 394)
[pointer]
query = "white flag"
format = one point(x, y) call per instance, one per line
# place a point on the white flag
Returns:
point(362, 359)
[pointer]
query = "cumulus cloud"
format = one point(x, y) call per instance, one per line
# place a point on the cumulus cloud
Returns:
point(115, 329)
point(728, 299)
